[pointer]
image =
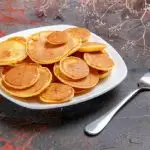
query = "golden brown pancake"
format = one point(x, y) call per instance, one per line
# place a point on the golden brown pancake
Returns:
point(99, 61)
point(43, 35)
point(92, 47)
point(19, 39)
point(12, 51)
point(104, 74)
point(81, 91)
point(74, 67)
point(22, 76)
point(57, 93)
point(75, 49)
point(43, 82)
point(40, 51)
point(80, 33)
point(88, 82)
point(57, 38)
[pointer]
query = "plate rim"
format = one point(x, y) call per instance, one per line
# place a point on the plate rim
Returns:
point(54, 106)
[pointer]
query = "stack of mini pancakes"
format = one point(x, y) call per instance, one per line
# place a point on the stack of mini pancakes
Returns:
point(53, 66)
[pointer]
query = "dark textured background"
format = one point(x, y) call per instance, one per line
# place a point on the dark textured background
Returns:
point(124, 24)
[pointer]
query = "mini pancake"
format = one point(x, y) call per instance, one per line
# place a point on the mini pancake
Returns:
point(12, 51)
point(92, 47)
point(43, 82)
point(80, 33)
point(41, 35)
point(57, 37)
point(75, 49)
point(74, 67)
point(88, 82)
point(99, 61)
point(19, 39)
point(81, 91)
point(40, 51)
point(22, 76)
point(77, 43)
point(57, 93)
point(103, 74)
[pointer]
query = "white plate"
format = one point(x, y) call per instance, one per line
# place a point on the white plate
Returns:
point(117, 76)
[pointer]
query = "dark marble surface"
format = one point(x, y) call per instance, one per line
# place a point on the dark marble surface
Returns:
point(123, 23)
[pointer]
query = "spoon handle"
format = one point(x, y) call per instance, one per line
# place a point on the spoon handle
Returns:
point(99, 124)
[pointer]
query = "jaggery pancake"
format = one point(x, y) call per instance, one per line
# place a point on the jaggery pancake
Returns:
point(57, 37)
point(19, 39)
point(76, 48)
point(42, 52)
point(12, 51)
point(42, 35)
point(92, 47)
point(99, 61)
point(81, 91)
point(74, 67)
point(57, 93)
point(22, 76)
point(88, 82)
point(43, 82)
point(80, 33)
point(103, 74)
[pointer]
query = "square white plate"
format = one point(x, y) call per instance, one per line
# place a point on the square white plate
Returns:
point(117, 76)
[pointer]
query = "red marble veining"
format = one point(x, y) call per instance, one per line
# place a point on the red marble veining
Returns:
point(21, 139)
point(17, 15)
point(2, 33)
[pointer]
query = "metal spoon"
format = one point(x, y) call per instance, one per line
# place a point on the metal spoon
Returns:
point(99, 124)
